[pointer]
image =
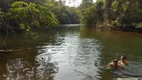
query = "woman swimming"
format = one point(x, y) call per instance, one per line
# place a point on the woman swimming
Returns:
point(123, 62)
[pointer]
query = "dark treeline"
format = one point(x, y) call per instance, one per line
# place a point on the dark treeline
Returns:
point(120, 14)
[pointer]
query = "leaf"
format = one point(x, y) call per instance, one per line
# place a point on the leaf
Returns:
point(22, 26)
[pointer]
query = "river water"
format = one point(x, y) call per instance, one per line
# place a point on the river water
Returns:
point(71, 52)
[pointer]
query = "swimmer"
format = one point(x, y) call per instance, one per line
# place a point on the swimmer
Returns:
point(113, 65)
point(123, 62)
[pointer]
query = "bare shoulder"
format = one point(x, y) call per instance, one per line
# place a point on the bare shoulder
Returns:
point(119, 62)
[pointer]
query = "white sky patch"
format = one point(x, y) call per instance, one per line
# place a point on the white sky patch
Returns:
point(74, 3)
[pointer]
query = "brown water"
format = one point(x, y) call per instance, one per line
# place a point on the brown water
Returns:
point(71, 53)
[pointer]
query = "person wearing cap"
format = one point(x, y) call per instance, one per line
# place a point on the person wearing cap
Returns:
point(123, 62)
point(113, 65)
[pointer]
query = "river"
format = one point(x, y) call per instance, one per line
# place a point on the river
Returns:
point(71, 52)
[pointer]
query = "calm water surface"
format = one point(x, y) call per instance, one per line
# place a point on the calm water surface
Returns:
point(71, 53)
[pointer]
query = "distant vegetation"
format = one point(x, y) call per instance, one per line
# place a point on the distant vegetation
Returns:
point(116, 14)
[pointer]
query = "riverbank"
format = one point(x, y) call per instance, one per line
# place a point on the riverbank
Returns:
point(130, 28)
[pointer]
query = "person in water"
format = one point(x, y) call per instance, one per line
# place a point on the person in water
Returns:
point(123, 62)
point(113, 65)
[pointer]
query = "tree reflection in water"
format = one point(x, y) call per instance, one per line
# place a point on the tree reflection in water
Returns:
point(19, 69)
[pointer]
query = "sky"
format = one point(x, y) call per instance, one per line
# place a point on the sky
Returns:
point(74, 2)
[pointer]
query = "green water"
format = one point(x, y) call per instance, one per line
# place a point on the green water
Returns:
point(71, 53)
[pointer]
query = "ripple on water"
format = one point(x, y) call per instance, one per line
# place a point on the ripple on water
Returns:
point(19, 69)
point(47, 66)
point(134, 69)
point(75, 57)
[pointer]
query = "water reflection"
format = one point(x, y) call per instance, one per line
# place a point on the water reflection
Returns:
point(46, 66)
point(72, 57)
point(87, 59)
point(18, 69)
point(72, 53)
point(114, 44)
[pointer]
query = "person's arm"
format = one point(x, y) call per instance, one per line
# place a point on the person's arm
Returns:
point(109, 66)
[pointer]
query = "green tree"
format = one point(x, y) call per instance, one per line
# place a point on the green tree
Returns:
point(107, 11)
point(92, 14)
point(65, 14)
point(24, 16)
point(86, 3)
point(116, 13)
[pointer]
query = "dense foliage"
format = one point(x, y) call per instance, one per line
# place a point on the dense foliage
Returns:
point(92, 14)
point(65, 14)
point(112, 13)
point(26, 14)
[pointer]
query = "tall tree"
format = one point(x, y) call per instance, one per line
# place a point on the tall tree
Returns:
point(86, 3)
point(107, 10)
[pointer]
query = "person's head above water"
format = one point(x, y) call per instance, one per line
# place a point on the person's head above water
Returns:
point(115, 61)
point(123, 61)
point(113, 64)
point(123, 57)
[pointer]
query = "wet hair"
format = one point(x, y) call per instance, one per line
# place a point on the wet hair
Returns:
point(115, 60)
point(124, 57)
